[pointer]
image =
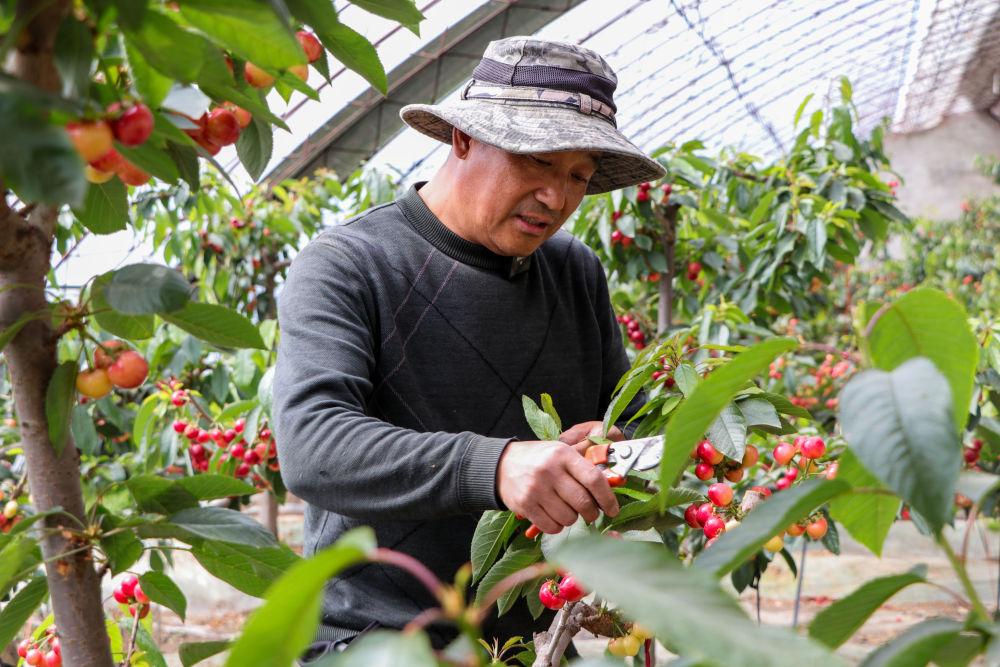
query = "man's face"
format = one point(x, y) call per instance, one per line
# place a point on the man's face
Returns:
point(516, 202)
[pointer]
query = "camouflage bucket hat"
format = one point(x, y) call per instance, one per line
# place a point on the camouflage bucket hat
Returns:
point(530, 95)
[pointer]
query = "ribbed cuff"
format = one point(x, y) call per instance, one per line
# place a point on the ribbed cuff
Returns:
point(478, 476)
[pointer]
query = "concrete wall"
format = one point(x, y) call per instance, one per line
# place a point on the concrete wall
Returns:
point(938, 165)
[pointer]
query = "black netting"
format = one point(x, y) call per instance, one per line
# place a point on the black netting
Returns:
point(542, 76)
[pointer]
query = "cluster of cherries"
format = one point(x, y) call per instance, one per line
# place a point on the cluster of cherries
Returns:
point(44, 651)
point(633, 329)
point(644, 188)
point(115, 365)
point(555, 594)
point(703, 515)
point(260, 78)
point(712, 463)
point(11, 514)
point(810, 448)
point(828, 378)
point(129, 592)
point(618, 237)
point(629, 643)
point(219, 127)
point(130, 125)
point(667, 373)
point(204, 444)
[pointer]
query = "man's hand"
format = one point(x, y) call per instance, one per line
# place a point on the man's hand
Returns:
point(552, 484)
point(578, 433)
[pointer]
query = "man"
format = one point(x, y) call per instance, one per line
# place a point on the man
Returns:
point(410, 334)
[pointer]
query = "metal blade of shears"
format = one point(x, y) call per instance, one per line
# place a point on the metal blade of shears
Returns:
point(639, 454)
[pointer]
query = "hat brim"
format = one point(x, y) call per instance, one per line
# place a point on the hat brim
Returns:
point(519, 128)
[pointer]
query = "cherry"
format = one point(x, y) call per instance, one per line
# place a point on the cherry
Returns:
point(691, 516)
point(120, 596)
point(197, 451)
point(203, 436)
point(33, 657)
point(570, 589)
point(704, 471)
point(257, 77)
point(775, 544)
point(630, 644)
point(105, 353)
point(642, 195)
point(222, 127)
point(704, 512)
point(96, 176)
point(52, 659)
point(977, 444)
point(23, 647)
point(134, 126)
point(616, 236)
point(549, 595)
point(310, 44)
point(734, 475)
point(243, 469)
point(783, 483)
point(720, 494)
point(251, 456)
point(831, 470)
point(239, 425)
point(783, 453)
point(11, 509)
point(178, 398)
point(971, 455)
point(693, 269)
point(708, 453)
point(817, 529)
point(791, 474)
point(795, 530)
point(750, 456)
point(714, 526)
point(93, 383)
point(91, 139)
point(128, 584)
point(813, 448)
point(229, 435)
point(243, 117)
point(139, 595)
point(109, 161)
point(140, 611)
point(129, 370)
point(237, 451)
point(131, 174)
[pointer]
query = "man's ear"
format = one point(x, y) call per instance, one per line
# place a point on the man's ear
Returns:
point(460, 143)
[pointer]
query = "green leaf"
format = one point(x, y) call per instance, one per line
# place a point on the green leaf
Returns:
point(835, 624)
point(123, 548)
point(131, 327)
point(802, 107)
point(624, 397)
point(541, 423)
point(193, 653)
point(152, 86)
point(512, 561)
point(34, 146)
point(687, 378)
point(916, 646)
point(12, 556)
point(684, 607)
point(689, 422)
point(142, 289)
point(15, 614)
point(248, 569)
point(161, 496)
point(785, 406)
point(492, 532)
point(215, 324)
point(249, 28)
point(209, 487)
point(728, 432)
point(162, 590)
point(347, 45)
point(385, 648)
point(81, 427)
point(144, 420)
point(900, 426)
point(173, 51)
point(73, 54)
point(550, 410)
point(632, 515)
point(764, 522)
point(255, 146)
point(152, 159)
point(60, 397)
point(866, 516)
point(759, 412)
point(276, 634)
point(223, 525)
point(401, 11)
point(927, 323)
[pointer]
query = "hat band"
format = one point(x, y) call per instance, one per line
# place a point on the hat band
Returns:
point(529, 96)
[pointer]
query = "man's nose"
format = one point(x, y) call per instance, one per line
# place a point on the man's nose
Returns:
point(552, 193)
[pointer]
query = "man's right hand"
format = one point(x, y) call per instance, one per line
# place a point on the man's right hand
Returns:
point(552, 484)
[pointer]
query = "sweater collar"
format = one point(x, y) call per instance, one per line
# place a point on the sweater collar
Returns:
point(437, 234)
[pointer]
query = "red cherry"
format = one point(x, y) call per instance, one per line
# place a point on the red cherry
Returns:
point(714, 526)
point(222, 128)
point(642, 195)
point(704, 512)
point(128, 584)
point(52, 659)
point(799, 441)
point(110, 161)
point(237, 451)
point(191, 432)
point(750, 457)
point(257, 77)
point(251, 457)
point(783, 453)
point(813, 448)
point(691, 516)
point(817, 529)
point(138, 611)
point(708, 453)
point(131, 174)
point(549, 595)
point(229, 435)
point(720, 494)
point(178, 398)
point(310, 44)
point(971, 455)
point(120, 596)
point(134, 126)
point(196, 451)
point(91, 140)
point(265, 433)
point(140, 596)
point(243, 469)
point(33, 657)
point(783, 483)
point(240, 425)
point(704, 471)
point(977, 444)
point(570, 589)
point(792, 474)
point(242, 115)
point(23, 647)
point(203, 437)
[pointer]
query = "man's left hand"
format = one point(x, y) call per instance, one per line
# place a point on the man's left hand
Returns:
point(578, 433)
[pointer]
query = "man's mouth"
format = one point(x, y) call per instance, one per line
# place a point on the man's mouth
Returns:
point(531, 223)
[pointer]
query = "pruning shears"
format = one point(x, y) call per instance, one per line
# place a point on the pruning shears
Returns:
point(617, 459)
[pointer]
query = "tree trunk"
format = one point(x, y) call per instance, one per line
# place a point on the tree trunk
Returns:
point(667, 216)
point(74, 586)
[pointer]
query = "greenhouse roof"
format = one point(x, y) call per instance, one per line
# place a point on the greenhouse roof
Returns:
point(729, 72)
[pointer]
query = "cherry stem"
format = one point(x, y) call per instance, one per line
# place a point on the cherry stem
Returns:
point(127, 660)
point(963, 576)
point(411, 565)
point(423, 619)
point(509, 582)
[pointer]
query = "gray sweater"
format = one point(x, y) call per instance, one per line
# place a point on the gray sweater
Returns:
point(405, 350)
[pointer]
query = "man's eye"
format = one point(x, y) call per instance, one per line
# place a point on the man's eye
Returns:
point(580, 178)
point(541, 161)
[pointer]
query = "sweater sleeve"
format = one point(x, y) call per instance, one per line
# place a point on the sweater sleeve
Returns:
point(335, 456)
point(616, 362)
